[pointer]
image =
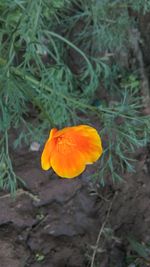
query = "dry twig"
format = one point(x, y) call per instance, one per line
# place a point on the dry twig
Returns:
point(101, 231)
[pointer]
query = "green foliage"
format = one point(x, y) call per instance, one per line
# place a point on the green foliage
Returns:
point(39, 78)
point(140, 5)
point(124, 129)
point(8, 179)
point(39, 257)
point(139, 253)
point(105, 24)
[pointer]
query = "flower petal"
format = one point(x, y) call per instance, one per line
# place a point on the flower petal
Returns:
point(67, 165)
point(45, 158)
point(89, 143)
point(49, 146)
point(52, 133)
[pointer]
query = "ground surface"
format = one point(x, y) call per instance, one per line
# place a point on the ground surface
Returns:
point(55, 222)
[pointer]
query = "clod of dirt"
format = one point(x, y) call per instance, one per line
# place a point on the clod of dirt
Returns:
point(60, 220)
point(12, 255)
point(59, 191)
point(18, 211)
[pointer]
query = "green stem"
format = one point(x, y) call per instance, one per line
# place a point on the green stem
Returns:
point(72, 46)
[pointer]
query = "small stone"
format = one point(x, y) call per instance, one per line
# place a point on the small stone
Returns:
point(35, 146)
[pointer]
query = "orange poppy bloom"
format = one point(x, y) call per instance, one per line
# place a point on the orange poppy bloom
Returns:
point(69, 150)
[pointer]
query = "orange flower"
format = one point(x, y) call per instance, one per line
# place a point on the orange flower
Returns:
point(69, 150)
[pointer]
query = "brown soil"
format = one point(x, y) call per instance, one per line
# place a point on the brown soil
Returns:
point(55, 222)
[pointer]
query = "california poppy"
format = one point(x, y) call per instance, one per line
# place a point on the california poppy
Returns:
point(69, 150)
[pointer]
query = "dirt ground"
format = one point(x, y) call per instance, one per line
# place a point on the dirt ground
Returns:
point(55, 222)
